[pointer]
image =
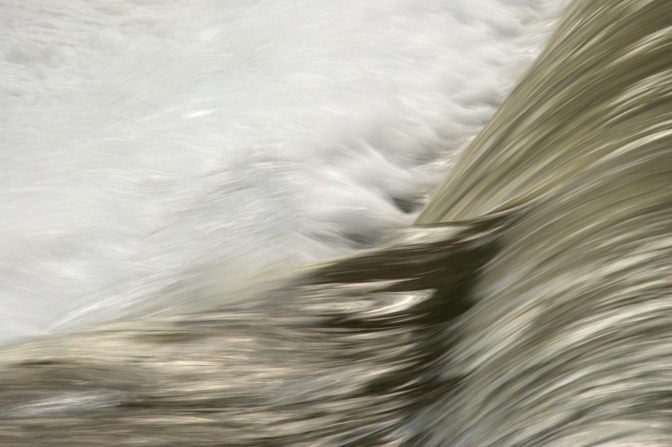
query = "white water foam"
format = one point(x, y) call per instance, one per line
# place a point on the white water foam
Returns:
point(157, 152)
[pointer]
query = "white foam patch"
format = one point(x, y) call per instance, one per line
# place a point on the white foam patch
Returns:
point(150, 147)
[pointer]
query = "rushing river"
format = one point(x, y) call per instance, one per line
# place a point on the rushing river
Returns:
point(262, 264)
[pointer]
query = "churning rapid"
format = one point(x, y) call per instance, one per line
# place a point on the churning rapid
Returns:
point(529, 305)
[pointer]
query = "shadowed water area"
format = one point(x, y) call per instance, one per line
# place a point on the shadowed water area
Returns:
point(530, 305)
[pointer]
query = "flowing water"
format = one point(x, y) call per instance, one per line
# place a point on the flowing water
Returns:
point(529, 304)
point(160, 154)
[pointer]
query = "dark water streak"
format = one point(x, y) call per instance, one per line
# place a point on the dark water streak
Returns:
point(531, 305)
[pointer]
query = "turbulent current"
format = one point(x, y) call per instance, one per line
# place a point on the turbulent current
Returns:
point(530, 304)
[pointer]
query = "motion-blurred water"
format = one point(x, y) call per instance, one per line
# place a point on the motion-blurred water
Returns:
point(154, 153)
point(528, 303)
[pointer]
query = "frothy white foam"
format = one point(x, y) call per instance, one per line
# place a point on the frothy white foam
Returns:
point(186, 146)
